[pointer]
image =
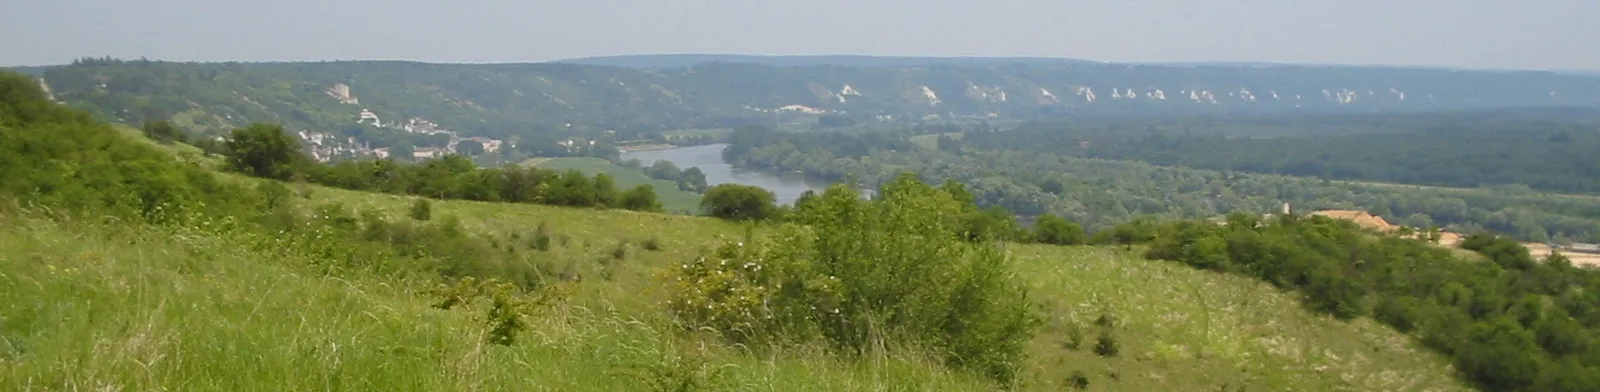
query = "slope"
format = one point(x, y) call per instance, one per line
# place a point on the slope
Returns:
point(168, 287)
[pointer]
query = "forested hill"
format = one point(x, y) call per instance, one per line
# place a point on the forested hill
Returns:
point(665, 61)
point(1553, 152)
point(502, 100)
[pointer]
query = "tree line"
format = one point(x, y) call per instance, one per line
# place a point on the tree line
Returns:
point(1544, 155)
point(1509, 323)
point(266, 151)
point(1101, 193)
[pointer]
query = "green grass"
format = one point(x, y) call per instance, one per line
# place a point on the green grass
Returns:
point(672, 199)
point(95, 307)
point(104, 305)
point(92, 305)
point(1185, 329)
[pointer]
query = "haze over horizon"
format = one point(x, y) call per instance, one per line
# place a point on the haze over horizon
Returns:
point(1546, 35)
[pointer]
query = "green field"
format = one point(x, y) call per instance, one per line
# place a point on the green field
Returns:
point(217, 304)
point(89, 305)
point(672, 199)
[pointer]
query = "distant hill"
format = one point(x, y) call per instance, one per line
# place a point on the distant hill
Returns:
point(667, 61)
point(550, 100)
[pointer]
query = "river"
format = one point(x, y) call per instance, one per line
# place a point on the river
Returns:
point(787, 187)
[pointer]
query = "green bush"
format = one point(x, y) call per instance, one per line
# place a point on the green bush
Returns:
point(1107, 346)
point(1078, 380)
point(851, 271)
point(739, 202)
point(1051, 229)
point(421, 210)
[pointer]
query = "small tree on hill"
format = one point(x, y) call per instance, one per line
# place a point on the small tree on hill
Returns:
point(1051, 229)
point(739, 202)
point(162, 131)
point(641, 198)
point(264, 150)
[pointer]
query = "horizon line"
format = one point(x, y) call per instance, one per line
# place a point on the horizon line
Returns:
point(571, 60)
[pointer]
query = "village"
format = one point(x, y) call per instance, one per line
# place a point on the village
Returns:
point(326, 146)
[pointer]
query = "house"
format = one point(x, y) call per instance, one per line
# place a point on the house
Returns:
point(369, 115)
point(489, 145)
point(427, 152)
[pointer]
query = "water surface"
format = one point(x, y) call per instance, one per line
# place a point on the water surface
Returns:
point(786, 186)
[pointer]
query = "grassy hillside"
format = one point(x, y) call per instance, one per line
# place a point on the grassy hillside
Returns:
point(1180, 329)
point(672, 199)
point(124, 269)
point(90, 306)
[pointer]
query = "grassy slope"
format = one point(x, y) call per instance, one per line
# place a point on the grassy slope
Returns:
point(1181, 329)
point(671, 198)
point(86, 305)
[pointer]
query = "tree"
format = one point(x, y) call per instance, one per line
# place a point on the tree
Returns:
point(264, 150)
point(1051, 229)
point(162, 131)
point(641, 198)
point(573, 189)
point(739, 202)
point(605, 191)
point(469, 148)
point(692, 180)
point(403, 151)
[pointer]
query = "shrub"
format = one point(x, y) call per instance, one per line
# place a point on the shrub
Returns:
point(621, 251)
point(1078, 380)
point(653, 244)
point(422, 210)
point(506, 304)
point(541, 237)
point(641, 198)
point(1107, 346)
point(1051, 229)
point(895, 268)
point(739, 202)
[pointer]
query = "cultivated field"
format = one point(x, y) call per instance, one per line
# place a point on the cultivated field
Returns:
point(672, 199)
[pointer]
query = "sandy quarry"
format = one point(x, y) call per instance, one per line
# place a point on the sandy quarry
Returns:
point(1374, 222)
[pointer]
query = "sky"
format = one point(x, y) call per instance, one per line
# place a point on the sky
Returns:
point(1499, 34)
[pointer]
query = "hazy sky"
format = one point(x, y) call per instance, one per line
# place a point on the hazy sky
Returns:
point(1530, 34)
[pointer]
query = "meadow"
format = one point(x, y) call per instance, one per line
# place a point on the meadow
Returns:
point(92, 305)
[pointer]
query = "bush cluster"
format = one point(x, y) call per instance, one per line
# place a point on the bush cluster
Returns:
point(1511, 323)
point(861, 274)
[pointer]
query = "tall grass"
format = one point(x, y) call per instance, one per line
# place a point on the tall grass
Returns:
point(116, 307)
